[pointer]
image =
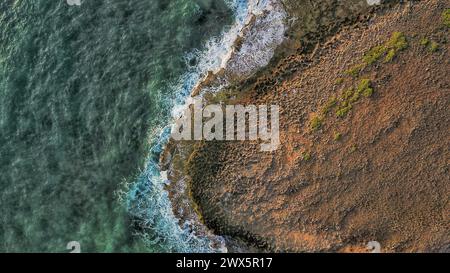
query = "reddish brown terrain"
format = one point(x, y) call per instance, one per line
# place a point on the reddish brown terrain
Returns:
point(365, 141)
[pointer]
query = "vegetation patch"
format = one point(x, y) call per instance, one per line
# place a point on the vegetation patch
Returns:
point(339, 81)
point(316, 122)
point(344, 104)
point(424, 42)
point(343, 111)
point(355, 70)
point(389, 50)
point(367, 92)
point(446, 17)
point(347, 94)
point(365, 88)
point(352, 95)
point(390, 56)
point(434, 46)
point(374, 54)
point(306, 156)
point(337, 136)
point(329, 105)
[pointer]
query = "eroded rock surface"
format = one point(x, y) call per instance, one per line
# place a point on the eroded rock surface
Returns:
point(381, 172)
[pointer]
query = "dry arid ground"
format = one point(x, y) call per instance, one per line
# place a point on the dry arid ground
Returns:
point(364, 152)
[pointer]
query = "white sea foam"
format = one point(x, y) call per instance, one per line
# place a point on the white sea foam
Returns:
point(148, 200)
point(260, 39)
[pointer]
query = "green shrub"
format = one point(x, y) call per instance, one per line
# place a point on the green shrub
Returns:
point(329, 105)
point(446, 17)
point(374, 54)
point(434, 46)
point(306, 156)
point(355, 97)
point(390, 55)
point(364, 84)
point(337, 136)
point(353, 148)
point(355, 70)
point(396, 43)
point(316, 122)
point(343, 111)
point(347, 94)
point(424, 41)
point(368, 92)
point(339, 81)
point(364, 88)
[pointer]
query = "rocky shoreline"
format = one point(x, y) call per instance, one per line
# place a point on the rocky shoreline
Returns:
point(350, 180)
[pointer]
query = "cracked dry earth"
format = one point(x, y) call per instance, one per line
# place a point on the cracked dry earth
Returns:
point(385, 178)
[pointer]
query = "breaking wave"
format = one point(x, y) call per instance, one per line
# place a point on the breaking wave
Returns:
point(147, 201)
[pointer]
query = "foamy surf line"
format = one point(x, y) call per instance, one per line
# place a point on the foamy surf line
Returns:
point(260, 23)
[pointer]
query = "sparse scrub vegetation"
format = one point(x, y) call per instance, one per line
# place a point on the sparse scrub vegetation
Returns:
point(339, 81)
point(355, 70)
point(343, 111)
point(367, 92)
point(349, 96)
point(364, 84)
point(337, 136)
point(388, 50)
point(344, 103)
point(424, 42)
point(390, 56)
point(329, 105)
point(306, 156)
point(354, 98)
point(316, 122)
point(446, 17)
point(395, 44)
point(352, 95)
point(365, 88)
point(434, 46)
point(398, 41)
point(374, 54)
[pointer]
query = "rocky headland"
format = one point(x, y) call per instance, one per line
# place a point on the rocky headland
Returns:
point(364, 93)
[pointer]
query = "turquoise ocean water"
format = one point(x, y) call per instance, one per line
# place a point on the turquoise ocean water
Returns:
point(84, 94)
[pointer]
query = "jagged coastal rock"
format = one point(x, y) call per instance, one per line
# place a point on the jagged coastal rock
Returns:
point(364, 93)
